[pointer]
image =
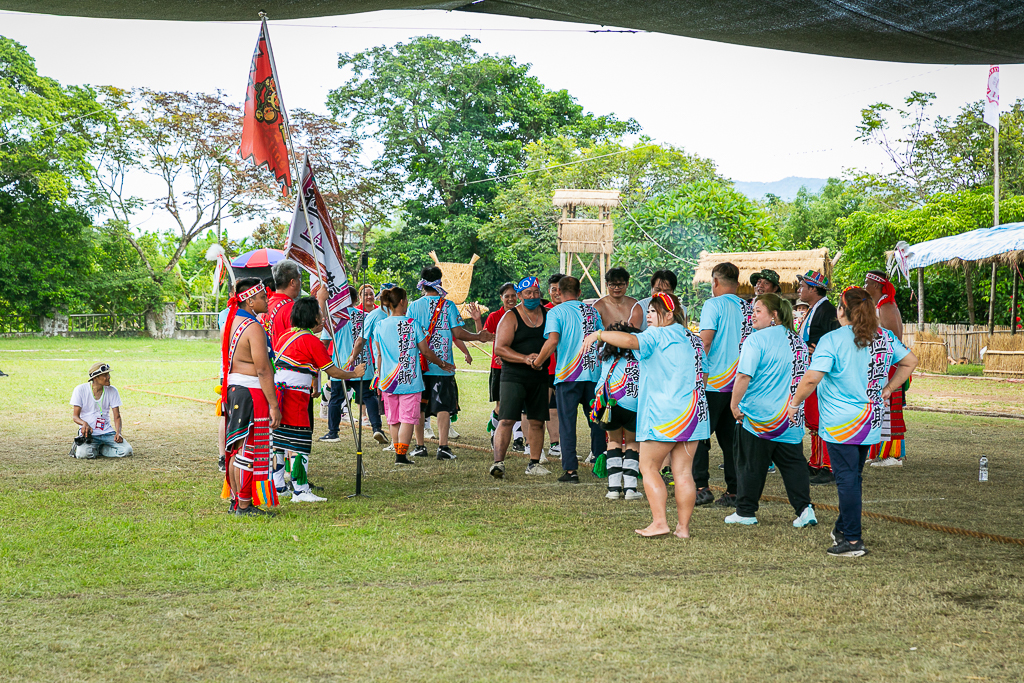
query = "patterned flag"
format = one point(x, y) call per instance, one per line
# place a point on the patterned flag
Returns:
point(264, 139)
point(319, 232)
point(992, 98)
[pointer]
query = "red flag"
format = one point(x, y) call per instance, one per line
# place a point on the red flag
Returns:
point(263, 133)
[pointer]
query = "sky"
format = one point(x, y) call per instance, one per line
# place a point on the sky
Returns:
point(761, 115)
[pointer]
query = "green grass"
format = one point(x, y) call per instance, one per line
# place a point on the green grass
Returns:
point(966, 370)
point(130, 570)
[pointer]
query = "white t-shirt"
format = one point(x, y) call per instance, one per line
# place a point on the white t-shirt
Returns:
point(96, 413)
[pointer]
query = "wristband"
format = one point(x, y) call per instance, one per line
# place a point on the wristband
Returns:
point(599, 336)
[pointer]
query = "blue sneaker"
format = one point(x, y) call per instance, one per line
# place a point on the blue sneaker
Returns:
point(806, 518)
point(735, 518)
point(771, 469)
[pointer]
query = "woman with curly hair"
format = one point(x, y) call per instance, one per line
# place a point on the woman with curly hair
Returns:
point(850, 369)
point(672, 412)
point(614, 408)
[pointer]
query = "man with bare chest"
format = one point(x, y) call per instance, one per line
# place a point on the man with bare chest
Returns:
point(250, 401)
point(615, 307)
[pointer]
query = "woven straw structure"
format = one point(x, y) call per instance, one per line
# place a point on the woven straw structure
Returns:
point(1005, 356)
point(456, 277)
point(932, 353)
point(788, 264)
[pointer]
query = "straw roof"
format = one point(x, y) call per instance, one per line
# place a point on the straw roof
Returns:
point(788, 264)
point(606, 199)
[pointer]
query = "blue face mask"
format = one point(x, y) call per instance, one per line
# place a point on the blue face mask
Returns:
point(531, 303)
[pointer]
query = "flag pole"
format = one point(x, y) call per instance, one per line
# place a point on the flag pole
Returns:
point(291, 146)
point(995, 224)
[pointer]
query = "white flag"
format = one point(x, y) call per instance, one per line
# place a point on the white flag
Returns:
point(992, 98)
point(301, 244)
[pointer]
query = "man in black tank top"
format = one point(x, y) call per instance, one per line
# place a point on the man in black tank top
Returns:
point(523, 389)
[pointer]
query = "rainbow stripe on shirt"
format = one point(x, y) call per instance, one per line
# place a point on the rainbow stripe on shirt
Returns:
point(574, 369)
point(724, 381)
point(774, 427)
point(390, 383)
point(685, 424)
point(855, 431)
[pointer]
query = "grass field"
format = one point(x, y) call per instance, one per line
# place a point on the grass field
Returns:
point(131, 570)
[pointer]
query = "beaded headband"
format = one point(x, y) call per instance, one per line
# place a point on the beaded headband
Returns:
point(251, 292)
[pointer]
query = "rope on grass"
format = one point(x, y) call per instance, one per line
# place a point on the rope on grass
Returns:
point(132, 387)
point(956, 531)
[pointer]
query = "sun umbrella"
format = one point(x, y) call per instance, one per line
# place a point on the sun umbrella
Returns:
point(258, 258)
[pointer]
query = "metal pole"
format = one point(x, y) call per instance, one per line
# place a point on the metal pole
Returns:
point(216, 300)
point(1013, 301)
point(995, 223)
point(363, 262)
point(920, 299)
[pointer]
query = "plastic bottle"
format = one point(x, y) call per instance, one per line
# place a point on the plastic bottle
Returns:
point(983, 469)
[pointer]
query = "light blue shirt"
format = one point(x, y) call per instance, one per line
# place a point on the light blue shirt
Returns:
point(724, 315)
point(395, 340)
point(850, 394)
point(623, 382)
point(768, 357)
point(672, 406)
point(344, 342)
point(441, 340)
point(573, 321)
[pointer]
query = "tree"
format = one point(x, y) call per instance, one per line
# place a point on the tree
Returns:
point(46, 129)
point(449, 119)
point(45, 251)
point(871, 235)
point(947, 154)
point(811, 220)
point(671, 229)
point(186, 141)
point(522, 231)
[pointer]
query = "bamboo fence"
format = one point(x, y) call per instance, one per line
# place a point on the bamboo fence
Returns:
point(962, 341)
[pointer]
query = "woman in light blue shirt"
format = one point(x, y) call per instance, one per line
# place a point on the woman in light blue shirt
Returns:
point(850, 369)
point(672, 413)
point(772, 362)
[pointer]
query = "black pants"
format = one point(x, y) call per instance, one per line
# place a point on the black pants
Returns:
point(572, 395)
point(723, 426)
point(753, 455)
point(339, 398)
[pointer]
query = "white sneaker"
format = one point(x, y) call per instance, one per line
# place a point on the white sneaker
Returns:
point(633, 494)
point(887, 462)
point(555, 451)
point(307, 497)
point(527, 451)
point(536, 469)
point(390, 447)
point(452, 434)
point(735, 518)
point(543, 457)
point(497, 470)
point(613, 495)
point(590, 459)
point(806, 518)
point(428, 432)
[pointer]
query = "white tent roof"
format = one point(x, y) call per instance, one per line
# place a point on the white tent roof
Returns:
point(984, 244)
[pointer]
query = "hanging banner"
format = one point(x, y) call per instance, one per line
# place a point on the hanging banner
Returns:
point(263, 132)
point(992, 97)
point(319, 235)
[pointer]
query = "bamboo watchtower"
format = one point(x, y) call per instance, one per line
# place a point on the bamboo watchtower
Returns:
point(591, 236)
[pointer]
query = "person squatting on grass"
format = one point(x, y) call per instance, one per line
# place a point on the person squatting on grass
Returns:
point(850, 370)
point(442, 322)
point(96, 409)
point(614, 408)
point(672, 413)
point(724, 324)
point(341, 348)
point(567, 325)
point(297, 365)
point(250, 402)
point(524, 387)
point(772, 362)
point(398, 342)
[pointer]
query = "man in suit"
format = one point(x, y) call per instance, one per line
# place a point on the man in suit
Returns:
point(821, 319)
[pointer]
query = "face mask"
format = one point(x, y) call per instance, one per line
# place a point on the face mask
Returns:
point(531, 303)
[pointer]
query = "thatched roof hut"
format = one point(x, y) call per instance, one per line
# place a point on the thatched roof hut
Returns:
point(606, 199)
point(788, 264)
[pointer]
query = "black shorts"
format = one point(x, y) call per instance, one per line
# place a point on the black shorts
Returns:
point(620, 418)
point(440, 395)
point(493, 382)
point(517, 399)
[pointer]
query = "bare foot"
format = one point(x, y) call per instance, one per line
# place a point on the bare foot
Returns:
point(681, 532)
point(653, 530)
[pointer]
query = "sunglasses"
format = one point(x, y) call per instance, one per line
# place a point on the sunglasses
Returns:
point(102, 370)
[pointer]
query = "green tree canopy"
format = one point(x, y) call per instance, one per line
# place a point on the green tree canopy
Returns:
point(447, 118)
point(46, 129)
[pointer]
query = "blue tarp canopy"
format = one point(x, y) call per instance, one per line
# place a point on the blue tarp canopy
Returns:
point(985, 244)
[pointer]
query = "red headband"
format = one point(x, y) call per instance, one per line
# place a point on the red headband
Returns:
point(667, 300)
point(251, 292)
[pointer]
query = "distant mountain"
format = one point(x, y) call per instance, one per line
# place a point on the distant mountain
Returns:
point(785, 189)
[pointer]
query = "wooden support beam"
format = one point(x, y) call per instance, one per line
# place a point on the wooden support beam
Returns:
point(920, 299)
